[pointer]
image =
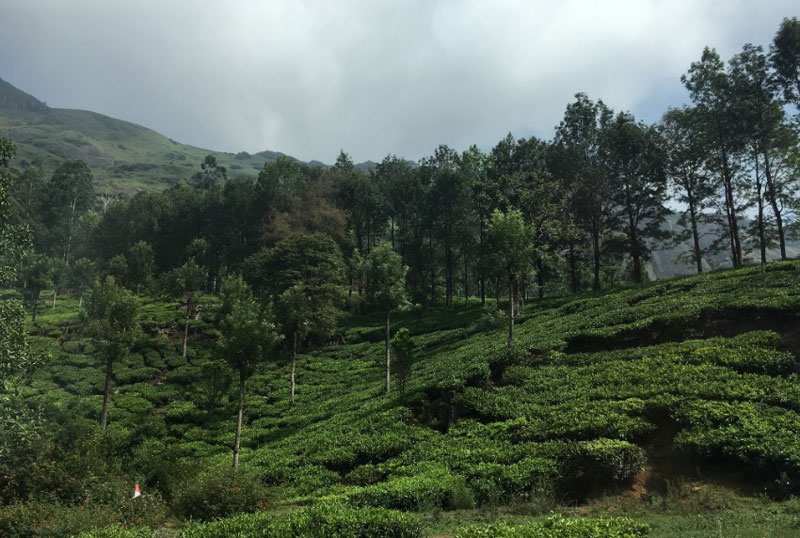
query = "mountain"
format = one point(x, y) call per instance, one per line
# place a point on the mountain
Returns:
point(124, 157)
point(670, 261)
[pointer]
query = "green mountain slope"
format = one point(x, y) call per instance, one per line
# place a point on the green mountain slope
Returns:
point(124, 157)
point(692, 381)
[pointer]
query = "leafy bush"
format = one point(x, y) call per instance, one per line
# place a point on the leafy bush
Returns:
point(119, 532)
point(325, 520)
point(435, 487)
point(560, 527)
point(218, 494)
point(55, 520)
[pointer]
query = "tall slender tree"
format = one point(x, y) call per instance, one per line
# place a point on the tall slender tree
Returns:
point(70, 192)
point(761, 119)
point(111, 317)
point(692, 184)
point(710, 89)
point(579, 162)
point(511, 246)
point(248, 334)
point(387, 291)
point(635, 160)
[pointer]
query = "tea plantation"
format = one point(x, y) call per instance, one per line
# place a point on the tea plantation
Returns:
point(671, 409)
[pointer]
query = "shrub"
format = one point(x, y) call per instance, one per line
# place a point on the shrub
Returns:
point(560, 527)
point(433, 488)
point(325, 520)
point(218, 494)
point(119, 532)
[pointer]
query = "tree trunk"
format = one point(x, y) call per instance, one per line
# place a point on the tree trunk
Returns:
point(727, 180)
point(55, 294)
point(762, 240)
point(540, 278)
point(80, 300)
point(481, 277)
point(106, 393)
point(186, 329)
point(573, 268)
point(69, 231)
point(466, 279)
point(635, 251)
point(433, 268)
point(773, 200)
point(449, 272)
point(238, 439)
point(33, 309)
point(510, 340)
point(294, 361)
point(387, 353)
point(695, 234)
point(596, 252)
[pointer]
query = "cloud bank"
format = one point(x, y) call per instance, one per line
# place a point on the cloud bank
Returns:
point(371, 77)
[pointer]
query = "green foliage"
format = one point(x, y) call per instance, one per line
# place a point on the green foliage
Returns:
point(119, 532)
point(248, 332)
point(404, 352)
point(326, 520)
point(219, 493)
point(112, 317)
point(435, 487)
point(560, 527)
point(386, 283)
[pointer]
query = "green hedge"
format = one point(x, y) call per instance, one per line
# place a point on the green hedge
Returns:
point(560, 527)
point(325, 520)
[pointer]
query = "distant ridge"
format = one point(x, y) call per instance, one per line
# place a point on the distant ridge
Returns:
point(125, 158)
point(13, 98)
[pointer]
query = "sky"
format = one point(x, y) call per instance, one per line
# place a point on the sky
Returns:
point(371, 77)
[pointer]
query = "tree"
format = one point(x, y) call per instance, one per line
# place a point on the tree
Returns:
point(140, 265)
point(29, 189)
point(404, 351)
point(784, 57)
point(17, 424)
point(111, 317)
point(359, 196)
point(510, 241)
point(691, 182)
point(386, 289)
point(304, 276)
point(58, 276)
point(761, 120)
point(296, 312)
point(36, 275)
point(248, 333)
point(449, 203)
point(710, 90)
point(69, 193)
point(81, 275)
point(211, 174)
point(635, 160)
point(578, 161)
point(187, 282)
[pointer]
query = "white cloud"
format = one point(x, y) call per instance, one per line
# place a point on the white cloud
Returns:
point(373, 77)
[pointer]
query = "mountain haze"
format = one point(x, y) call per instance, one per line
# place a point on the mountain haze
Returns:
point(124, 157)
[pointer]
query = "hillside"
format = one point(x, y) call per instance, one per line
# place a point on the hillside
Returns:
point(674, 403)
point(124, 157)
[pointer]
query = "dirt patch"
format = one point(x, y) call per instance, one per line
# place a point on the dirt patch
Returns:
point(787, 328)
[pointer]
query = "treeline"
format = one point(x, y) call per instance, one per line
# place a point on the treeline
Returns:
point(593, 199)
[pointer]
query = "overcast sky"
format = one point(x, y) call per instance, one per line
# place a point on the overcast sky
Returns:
point(372, 77)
